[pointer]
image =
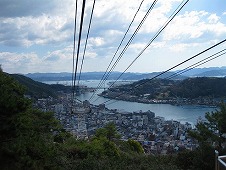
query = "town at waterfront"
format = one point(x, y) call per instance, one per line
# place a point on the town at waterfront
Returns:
point(156, 134)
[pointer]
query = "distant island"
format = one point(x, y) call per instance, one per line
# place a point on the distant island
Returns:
point(198, 91)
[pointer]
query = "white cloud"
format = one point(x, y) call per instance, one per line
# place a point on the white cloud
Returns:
point(56, 24)
point(97, 41)
point(19, 63)
point(179, 47)
point(193, 25)
point(137, 47)
point(46, 28)
point(28, 31)
point(213, 18)
point(158, 44)
point(91, 55)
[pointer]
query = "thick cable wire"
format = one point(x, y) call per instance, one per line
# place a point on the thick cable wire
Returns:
point(105, 77)
point(121, 42)
point(206, 60)
point(128, 44)
point(73, 62)
point(201, 62)
point(87, 37)
point(147, 80)
point(176, 11)
point(179, 8)
point(79, 41)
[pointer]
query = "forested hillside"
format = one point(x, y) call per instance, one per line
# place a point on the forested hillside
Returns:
point(40, 90)
point(200, 87)
point(190, 88)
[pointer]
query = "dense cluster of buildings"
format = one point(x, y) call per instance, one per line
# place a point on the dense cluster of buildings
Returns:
point(157, 135)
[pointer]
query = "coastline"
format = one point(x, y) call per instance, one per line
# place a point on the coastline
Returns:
point(174, 102)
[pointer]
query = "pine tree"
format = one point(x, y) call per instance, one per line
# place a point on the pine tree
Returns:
point(212, 131)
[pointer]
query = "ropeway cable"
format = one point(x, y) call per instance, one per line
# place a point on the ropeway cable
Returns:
point(201, 62)
point(147, 80)
point(179, 8)
point(208, 59)
point(105, 77)
point(79, 42)
point(73, 62)
point(87, 36)
point(176, 11)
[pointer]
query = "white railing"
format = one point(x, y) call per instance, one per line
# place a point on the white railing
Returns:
point(220, 161)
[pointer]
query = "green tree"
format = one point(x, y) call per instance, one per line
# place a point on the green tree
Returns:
point(26, 134)
point(12, 102)
point(109, 131)
point(135, 146)
point(106, 138)
point(210, 135)
point(213, 130)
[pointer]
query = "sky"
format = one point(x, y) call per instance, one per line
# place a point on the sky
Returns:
point(37, 35)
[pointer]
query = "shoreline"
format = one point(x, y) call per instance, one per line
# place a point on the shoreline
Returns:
point(193, 102)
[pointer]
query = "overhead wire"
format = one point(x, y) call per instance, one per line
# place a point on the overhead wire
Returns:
point(108, 72)
point(191, 67)
point(128, 43)
point(78, 46)
point(103, 77)
point(73, 62)
point(87, 36)
point(201, 62)
point(122, 39)
point(179, 8)
point(147, 80)
point(172, 16)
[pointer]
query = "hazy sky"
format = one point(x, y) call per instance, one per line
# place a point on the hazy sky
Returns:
point(37, 35)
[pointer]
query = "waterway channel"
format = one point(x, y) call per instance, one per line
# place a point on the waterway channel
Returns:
point(185, 113)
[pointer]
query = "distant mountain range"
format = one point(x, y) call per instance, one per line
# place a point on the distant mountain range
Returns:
point(197, 72)
point(207, 72)
point(97, 76)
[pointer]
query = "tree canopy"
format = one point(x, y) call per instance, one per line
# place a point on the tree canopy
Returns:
point(26, 134)
point(212, 131)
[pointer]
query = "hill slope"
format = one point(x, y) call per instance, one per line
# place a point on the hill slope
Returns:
point(38, 89)
point(200, 87)
point(192, 88)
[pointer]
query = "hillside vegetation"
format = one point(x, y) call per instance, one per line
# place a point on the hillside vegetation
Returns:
point(200, 87)
point(191, 88)
point(39, 90)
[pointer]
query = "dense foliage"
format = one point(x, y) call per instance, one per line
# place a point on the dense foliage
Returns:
point(26, 135)
point(36, 89)
point(211, 135)
point(40, 90)
point(200, 87)
point(190, 88)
